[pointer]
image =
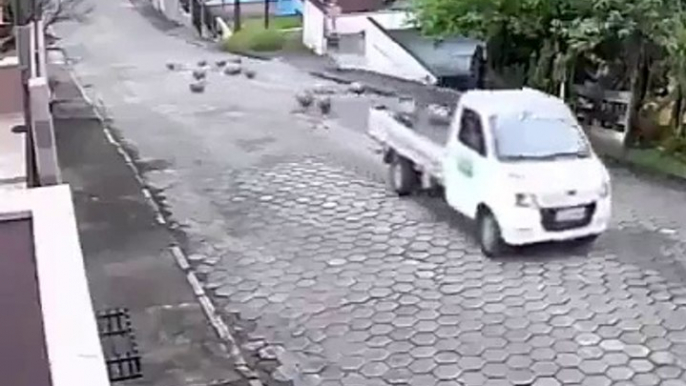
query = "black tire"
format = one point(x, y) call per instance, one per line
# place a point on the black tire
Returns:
point(404, 179)
point(489, 235)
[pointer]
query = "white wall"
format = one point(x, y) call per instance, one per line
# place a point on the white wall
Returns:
point(392, 19)
point(172, 10)
point(313, 28)
point(385, 56)
point(71, 332)
point(357, 22)
point(314, 23)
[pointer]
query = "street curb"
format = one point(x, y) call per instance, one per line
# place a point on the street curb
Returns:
point(221, 329)
point(250, 55)
point(644, 172)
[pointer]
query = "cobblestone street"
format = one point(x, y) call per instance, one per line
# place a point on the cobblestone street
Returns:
point(346, 284)
point(326, 278)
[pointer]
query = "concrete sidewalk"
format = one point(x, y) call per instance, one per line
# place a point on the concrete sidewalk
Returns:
point(127, 254)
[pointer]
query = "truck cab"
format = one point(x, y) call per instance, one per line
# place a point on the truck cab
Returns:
point(524, 169)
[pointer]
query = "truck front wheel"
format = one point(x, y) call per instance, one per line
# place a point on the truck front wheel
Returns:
point(404, 178)
point(489, 235)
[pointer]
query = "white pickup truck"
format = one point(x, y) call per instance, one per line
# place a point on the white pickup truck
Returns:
point(516, 161)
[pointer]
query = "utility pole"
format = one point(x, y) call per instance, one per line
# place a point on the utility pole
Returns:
point(236, 15)
point(266, 14)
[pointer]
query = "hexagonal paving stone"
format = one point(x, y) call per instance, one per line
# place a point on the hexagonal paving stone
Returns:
point(546, 381)
point(447, 372)
point(327, 264)
point(593, 366)
point(520, 377)
point(423, 352)
point(568, 360)
point(495, 370)
point(374, 369)
point(423, 380)
point(641, 365)
point(472, 378)
point(420, 366)
point(669, 372)
point(596, 380)
point(424, 338)
point(569, 376)
point(620, 373)
point(519, 362)
point(446, 357)
point(470, 363)
point(399, 360)
point(646, 380)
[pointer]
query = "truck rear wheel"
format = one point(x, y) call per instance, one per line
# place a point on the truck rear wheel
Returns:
point(404, 178)
point(489, 235)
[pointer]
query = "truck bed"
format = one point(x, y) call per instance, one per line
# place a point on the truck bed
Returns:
point(422, 124)
point(416, 137)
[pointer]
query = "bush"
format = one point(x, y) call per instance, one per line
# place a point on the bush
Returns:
point(674, 145)
point(254, 39)
point(268, 40)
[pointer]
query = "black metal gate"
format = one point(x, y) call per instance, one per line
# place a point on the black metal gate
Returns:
point(119, 345)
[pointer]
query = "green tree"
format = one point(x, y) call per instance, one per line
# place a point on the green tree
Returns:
point(549, 37)
point(675, 48)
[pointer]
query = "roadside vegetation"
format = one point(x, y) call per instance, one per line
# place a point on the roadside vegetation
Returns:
point(283, 33)
point(633, 45)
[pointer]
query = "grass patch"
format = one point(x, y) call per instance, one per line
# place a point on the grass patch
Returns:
point(254, 37)
point(657, 160)
point(283, 22)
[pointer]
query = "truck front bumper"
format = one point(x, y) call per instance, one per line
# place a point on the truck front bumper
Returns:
point(521, 226)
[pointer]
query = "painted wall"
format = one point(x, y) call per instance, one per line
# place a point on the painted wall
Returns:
point(11, 92)
point(357, 22)
point(313, 28)
point(289, 7)
point(314, 24)
point(256, 7)
point(385, 56)
point(173, 11)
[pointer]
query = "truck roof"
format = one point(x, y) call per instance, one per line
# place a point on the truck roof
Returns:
point(515, 102)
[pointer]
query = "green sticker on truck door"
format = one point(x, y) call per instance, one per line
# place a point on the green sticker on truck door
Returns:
point(464, 165)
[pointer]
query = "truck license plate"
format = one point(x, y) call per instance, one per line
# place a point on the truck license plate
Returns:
point(570, 214)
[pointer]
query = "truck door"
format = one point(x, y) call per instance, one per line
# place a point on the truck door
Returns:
point(465, 163)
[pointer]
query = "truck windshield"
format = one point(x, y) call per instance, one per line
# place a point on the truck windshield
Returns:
point(530, 138)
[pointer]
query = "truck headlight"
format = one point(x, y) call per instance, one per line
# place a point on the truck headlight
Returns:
point(525, 200)
point(605, 189)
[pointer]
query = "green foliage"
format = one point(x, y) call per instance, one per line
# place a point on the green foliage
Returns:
point(658, 161)
point(549, 40)
point(254, 37)
point(571, 27)
point(258, 40)
point(674, 145)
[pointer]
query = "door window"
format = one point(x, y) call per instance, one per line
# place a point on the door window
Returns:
point(471, 133)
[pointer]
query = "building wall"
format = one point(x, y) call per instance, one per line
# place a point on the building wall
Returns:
point(357, 22)
point(289, 7)
point(385, 56)
point(173, 11)
point(252, 9)
point(11, 92)
point(313, 28)
point(314, 22)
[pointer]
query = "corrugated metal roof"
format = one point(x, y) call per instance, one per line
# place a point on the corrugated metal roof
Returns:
point(447, 57)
